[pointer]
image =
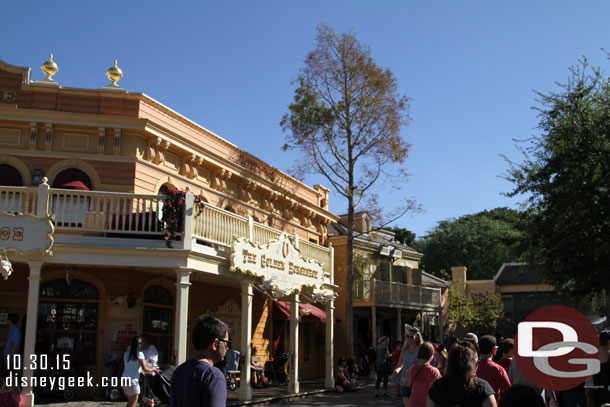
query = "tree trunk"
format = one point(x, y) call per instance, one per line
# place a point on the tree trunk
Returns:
point(349, 303)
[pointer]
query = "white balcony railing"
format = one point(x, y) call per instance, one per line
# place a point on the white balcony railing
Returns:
point(380, 292)
point(111, 214)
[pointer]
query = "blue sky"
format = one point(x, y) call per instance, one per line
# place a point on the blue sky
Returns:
point(470, 68)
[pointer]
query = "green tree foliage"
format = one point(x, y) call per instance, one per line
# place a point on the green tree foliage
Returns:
point(481, 242)
point(565, 176)
point(403, 235)
point(476, 311)
point(346, 121)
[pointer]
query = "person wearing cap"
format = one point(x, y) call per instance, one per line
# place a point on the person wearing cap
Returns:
point(473, 340)
point(489, 370)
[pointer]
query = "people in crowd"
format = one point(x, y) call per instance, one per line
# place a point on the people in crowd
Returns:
point(521, 395)
point(490, 371)
point(408, 356)
point(449, 340)
point(440, 358)
point(472, 339)
point(352, 368)
point(12, 343)
point(460, 386)
point(421, 375)
point(134, 363)
point(382, 357)
point(151, 356)
point(500, 352)
point(343, 380)
point(396, 353)
point(507, 346)
point(601, 395)
point(196, 382)
point(10, 396)
point(395, 363)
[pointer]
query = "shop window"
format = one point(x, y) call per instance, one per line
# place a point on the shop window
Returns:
point(158, 314)
point(10, 176)
point(68, 321)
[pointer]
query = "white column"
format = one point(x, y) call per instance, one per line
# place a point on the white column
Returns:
point(182, 307)
point(189, 216)
point(247, 295)
point(27, 398)
point(43, 198)
point(294, 344)
point(329, 381)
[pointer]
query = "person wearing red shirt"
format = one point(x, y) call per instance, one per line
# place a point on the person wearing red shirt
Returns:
point(396, 353)
point(507, 353)
point(490, 371)
point(421, 375)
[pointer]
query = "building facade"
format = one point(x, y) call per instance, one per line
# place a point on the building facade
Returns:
point(92, 171)
point(389, 289)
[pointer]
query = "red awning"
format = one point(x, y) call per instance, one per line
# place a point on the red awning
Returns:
point(307, 312)
point(77, 185)
point(72, 178)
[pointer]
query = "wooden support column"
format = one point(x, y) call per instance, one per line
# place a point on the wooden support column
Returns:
point(247, 295)
point(399, 328)
point(181, 317)
point(27, 396)
point(294, 344)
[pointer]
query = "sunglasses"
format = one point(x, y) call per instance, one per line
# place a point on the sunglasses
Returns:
point(410, 336)
point(226, 342)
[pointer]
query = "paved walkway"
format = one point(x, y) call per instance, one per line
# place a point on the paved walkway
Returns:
point(272, 394)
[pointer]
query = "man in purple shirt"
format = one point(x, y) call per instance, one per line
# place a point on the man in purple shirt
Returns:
point(196, 382)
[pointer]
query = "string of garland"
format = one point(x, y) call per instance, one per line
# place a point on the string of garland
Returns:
point(172, 213)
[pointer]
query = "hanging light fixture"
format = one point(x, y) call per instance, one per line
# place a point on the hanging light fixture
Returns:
point(7, 267)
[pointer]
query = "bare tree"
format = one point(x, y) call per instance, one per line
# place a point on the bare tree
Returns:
point(346, 120)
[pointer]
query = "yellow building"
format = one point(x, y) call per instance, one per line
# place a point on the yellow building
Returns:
point(85, 176)
point(389, 289)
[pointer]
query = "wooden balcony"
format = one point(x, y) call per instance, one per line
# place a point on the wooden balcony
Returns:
point(90, 217)
point(396, 295)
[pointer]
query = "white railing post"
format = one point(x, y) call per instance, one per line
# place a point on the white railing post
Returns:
point(251, 229)
point(187, 237)
point(43, 199)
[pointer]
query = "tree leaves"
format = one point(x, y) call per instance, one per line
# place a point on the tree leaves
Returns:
point(566, 173)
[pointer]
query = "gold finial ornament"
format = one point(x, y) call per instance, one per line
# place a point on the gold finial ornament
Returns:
point(114, 73)
point(49, 67)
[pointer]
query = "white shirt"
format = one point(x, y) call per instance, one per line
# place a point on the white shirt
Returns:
point(151, 354)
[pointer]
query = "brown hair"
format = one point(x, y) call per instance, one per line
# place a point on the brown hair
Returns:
point(508, 344)
point(461, 370)
point(426, 351)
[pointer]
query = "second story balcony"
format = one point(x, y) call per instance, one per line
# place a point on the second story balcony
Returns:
point(397, 295)
point(125, 220)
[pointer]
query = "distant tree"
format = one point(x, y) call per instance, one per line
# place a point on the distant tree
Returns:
point(480, 241)
point(565, 176)
point(475, 311)
point(403, 235)
point(346, 120)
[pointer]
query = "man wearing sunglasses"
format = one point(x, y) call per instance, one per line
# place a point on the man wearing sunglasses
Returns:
point(197, 382)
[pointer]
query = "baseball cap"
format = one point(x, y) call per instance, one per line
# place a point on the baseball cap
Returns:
point(471, 337)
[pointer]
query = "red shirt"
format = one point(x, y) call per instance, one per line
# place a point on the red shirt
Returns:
point(494, 374)
point(422, 383)
point(395, 357)
point(505, 363)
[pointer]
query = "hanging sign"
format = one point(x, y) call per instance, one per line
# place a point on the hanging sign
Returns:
point(279, 263)
point(25, 233)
